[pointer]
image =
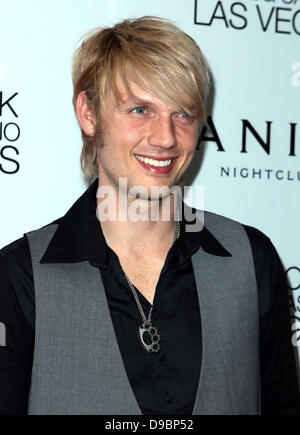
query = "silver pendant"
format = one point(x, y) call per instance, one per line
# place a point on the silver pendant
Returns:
point(147, 328)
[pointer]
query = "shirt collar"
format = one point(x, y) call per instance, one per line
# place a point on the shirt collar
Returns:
point(79, 236)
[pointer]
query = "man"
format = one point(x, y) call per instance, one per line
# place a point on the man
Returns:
point(109, 314)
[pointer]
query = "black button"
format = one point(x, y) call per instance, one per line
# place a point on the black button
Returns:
point(161, 357)
point(168, 398)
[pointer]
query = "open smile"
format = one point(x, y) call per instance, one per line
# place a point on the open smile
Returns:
point(157, 165)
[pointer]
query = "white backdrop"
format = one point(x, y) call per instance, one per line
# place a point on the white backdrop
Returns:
point(250, 169)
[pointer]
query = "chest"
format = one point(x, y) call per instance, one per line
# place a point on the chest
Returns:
point(143, 273)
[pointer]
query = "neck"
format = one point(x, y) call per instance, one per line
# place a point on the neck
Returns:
point(128, 224)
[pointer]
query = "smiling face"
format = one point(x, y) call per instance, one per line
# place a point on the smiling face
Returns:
point(144, 140)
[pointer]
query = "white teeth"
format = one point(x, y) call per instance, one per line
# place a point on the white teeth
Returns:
point(159, 163)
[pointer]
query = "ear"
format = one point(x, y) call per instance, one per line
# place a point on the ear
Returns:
point(85, 115)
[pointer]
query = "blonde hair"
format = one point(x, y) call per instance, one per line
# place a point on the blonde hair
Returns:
point(151, 51)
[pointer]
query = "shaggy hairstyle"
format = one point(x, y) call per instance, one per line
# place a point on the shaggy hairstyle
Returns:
point(154, 54)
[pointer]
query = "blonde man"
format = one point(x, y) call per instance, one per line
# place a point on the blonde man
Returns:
point(133, 314)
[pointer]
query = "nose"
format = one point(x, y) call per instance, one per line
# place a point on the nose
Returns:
point(162, 132)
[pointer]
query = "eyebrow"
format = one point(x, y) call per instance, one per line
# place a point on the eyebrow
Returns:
point(135, 101)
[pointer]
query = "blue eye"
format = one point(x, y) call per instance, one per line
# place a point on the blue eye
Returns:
point(183, 115)
point(139, 110)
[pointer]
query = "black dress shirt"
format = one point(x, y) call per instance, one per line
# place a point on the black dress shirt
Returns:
point(165, 382)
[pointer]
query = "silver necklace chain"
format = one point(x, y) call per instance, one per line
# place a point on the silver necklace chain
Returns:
point(147, 325)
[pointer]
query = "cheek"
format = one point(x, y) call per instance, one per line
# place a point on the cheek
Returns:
point(119, 143)
point(118, 155)
point(132, 132)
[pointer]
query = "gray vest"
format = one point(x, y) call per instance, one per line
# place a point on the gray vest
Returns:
point(77, 366)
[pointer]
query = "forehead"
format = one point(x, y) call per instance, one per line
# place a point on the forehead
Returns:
point(126, 88)
point(130, 93)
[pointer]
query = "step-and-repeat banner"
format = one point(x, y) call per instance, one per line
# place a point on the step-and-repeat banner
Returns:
point(248, 161)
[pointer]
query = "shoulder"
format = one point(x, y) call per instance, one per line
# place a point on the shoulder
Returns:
point(17, 293)
point(16, 284)
point(268, 266)
point(230, 228)
point(15, 254)
point(265, 255)
point(269, 271)
point(258, 240)
point(263, 251)
point(223, 223)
